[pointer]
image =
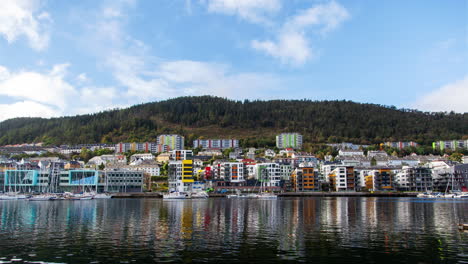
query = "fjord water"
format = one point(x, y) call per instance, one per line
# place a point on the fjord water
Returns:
point(326, 230)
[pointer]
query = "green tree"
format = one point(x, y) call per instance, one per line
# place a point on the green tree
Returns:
point(456, 157)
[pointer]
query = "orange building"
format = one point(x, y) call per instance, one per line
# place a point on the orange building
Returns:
point(305, 179)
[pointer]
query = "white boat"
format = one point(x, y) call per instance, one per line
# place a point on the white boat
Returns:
point(239, 195)
point(200, 195)
point(12, 196)
point(266, 195)
point(425, 195)
point(42, 197)
point(430, 195)
point(457, 195)
point(176, 195)
point(102, 196)
point(80, 196)
point(8, 197)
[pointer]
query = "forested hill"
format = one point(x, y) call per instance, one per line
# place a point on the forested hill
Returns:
point(252, 121)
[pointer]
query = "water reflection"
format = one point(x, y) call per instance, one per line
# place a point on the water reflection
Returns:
point(330, 230)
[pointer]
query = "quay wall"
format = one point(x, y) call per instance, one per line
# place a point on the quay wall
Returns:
point(285, 194)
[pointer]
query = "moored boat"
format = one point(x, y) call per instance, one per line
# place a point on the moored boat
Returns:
point(266, 195)
point(13, 196)
point(176, 195)
point(42, 197)
point(102, 196)
point(199, 195)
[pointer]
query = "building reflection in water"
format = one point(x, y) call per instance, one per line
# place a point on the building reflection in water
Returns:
point(286, 229)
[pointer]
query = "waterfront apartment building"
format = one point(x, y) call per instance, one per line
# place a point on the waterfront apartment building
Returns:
point(450, 144)
point(419, 179)
point(401, 144)
point(379, 180)
point(175, 142)
point(151, 147)
point(232, 171)
point(268, 174)
point(180, 175)
point(305, 179)
point(289, 140)
point(342, 178)
point(56, 180)
point(216, 143)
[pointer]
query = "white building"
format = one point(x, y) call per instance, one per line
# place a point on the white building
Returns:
point(362, 177)
point(270, 153)
point(142, 156)
point(327, 169)
point(151, 169)
point(69, 150)
point(343, 178)
point(211, 152)
point(250, 169)
point(232, 171)
point(105, 159)
point(402, 177)
point(350, 153)
point(285, 171)
point(216, 143)
point(374, 153)
point(268, 173)
point(198, 163)
point(287, 152)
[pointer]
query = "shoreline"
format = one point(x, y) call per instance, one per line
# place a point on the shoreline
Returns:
point(287, 194)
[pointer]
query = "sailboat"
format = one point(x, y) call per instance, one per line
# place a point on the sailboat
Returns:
point(459, 194)
point(264, 194)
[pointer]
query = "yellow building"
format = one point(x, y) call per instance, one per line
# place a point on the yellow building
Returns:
point(164, 157)
point(180, 175)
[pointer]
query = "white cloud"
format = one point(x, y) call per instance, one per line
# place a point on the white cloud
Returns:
point(26, 109)
point(185, 77)
point(23, 17)
point(199, 78)
point(48, 94)
point(255, 11)
point(450, 97)
point(328, 16)
point(146, 78)
point(94, 99)
point(82, 78)
point(291, 45)
point(49, 88)
point(290, 48)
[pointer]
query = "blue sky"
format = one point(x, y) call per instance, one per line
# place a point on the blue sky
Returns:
point(73, 57)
